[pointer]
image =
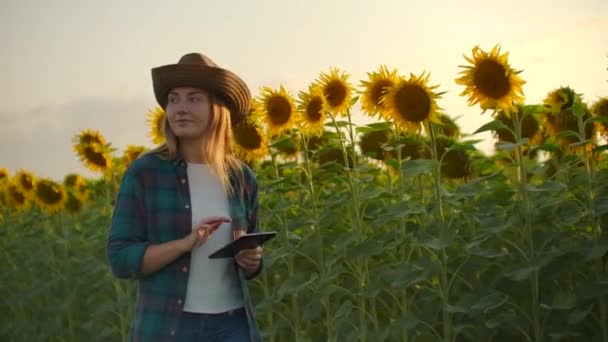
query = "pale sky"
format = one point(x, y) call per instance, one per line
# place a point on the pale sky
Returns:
point(71, 65)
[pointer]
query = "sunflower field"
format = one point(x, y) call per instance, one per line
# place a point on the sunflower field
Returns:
point(398, 230)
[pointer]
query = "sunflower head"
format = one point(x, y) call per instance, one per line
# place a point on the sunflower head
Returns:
point(248, 142)
point(156, 119)
point(89, 137)
point(560, 99)
point(456, 163)
point(411, 147)
point(373, 141)
point(374, 89)
point(73, 204)
point(412, 102)
point(76, 185)
point(287, 143)
point(17, 199)
point(490, 80)
point(26, 181)
point(312, 107)
point(50, 196)
point(278, 109)
point(95, 158)
point(530, 127)
point(567, 120)
point(131, 153)
point(332, 154)
point(3, 174)
point(447, 126)
point(337, 90)
point(600, 109)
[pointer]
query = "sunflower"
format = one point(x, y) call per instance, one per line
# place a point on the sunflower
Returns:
point(411, 102)
point(372, 143)
point(448, 126)
point(560, 99)
point(312, 107)
point(490, 80)
point(156, 119)
point(288, 143)
point(76, 185)
point(3, 174)
point(278, 109)
point(455, 163)
point(89, 137)
point(373, 90)
point(26, 181)
point(73, 203)
point(50, 196)
point(337, 90)
point(566, 120)
point(95, 158)
point(530, 128)
point(16, 197)
point(600, 109)
point(131, 153)
point(248, 141)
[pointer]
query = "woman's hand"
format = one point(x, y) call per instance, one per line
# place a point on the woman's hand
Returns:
point(201, 233)
point(249, 259)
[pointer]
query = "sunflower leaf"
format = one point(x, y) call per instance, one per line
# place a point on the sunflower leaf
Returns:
point(601, 148)
point(413, 168)
point(565, 134)
point(580, 143)
point(549, 147)
point(600, 119)
point(491, 126)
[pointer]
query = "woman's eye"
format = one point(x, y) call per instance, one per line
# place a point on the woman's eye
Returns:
point(195, 99)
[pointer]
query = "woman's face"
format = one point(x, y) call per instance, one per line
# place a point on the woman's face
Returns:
point(188, 112)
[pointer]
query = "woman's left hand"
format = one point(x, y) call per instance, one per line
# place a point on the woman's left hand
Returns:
point(249, 259)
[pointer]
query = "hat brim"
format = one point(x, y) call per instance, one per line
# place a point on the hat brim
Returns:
point(230, 88)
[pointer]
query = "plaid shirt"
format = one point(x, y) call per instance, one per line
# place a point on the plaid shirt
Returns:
point(153, 207)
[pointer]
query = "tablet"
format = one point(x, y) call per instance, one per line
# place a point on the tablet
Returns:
point(250, 240)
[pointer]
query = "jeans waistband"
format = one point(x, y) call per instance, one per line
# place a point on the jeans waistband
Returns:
point(232, 312)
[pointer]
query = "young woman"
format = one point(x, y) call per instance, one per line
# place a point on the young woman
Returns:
point(182, 201)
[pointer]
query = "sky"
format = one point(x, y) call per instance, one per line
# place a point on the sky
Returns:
point(72, 65)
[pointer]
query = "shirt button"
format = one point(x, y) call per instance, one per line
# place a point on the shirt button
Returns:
point(183, 180)
point(187, 206)
point(185, 269)
point(172, 332)
point(179, 301)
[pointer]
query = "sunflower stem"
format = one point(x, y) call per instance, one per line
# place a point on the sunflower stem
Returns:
point(523, 182)
point(596, 226)
point(290, 258)
point(318, 233)
point(403, 229)
point(361, 265)
point(444, 280)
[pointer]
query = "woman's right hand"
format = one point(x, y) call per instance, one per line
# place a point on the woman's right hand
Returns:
point(201, 233)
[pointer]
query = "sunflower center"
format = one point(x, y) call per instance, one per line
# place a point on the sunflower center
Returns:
point(95, 157)
point(313, 110)
point(73, 204)
point(48, 193)
point(26, 182)
point(90, 139)
point(379, 89)
point(247, 136)
point(491, 79)
point(602, 109)
point(279, 110)
point(413, 103)
point(16, 195)
point(335, 92)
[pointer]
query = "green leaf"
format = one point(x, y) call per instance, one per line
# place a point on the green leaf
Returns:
point(578, 316)
point(490, 301)
point(566, 134)
point(413, 168)
point(491, 126)
point(600, 148)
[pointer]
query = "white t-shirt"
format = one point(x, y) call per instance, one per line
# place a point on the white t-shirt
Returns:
point(213, 285)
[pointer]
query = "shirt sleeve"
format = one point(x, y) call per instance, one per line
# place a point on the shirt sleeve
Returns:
point(127, 242)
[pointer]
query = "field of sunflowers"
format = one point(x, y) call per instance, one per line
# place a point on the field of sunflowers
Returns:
point(398, 230)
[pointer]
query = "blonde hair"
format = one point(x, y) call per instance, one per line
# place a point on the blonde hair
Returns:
point(217, 148)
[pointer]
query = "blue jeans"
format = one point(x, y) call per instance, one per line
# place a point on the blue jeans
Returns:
point(229, 326)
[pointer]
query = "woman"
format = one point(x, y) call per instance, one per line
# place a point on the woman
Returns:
point(182, 201)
